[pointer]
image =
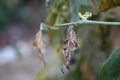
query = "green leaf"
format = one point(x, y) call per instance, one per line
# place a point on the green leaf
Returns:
point(108, 4)
point(111, 67)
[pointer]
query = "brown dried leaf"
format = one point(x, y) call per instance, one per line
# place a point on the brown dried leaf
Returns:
point(108, 4)
point(39, 43)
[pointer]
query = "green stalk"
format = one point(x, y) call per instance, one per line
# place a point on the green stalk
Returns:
point(88, 22)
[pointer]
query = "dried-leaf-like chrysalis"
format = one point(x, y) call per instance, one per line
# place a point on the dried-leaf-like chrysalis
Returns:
point(69, 46)
point(39, 43)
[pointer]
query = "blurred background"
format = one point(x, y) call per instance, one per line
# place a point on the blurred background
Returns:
point(20, 21)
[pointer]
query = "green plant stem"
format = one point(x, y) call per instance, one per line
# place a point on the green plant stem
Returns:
point(88, 22)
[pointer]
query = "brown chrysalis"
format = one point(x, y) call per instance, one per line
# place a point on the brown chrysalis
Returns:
point(40, 45)
point(69, 46)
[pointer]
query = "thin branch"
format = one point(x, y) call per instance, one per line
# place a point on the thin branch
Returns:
point(88, 22)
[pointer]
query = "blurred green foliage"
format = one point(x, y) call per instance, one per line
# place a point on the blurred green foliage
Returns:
point(9, 11)
point(111, 67)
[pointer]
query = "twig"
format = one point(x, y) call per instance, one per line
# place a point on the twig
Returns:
point(88, 22)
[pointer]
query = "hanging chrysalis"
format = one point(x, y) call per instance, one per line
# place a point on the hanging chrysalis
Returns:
point(40, 45)
point(69, 46)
